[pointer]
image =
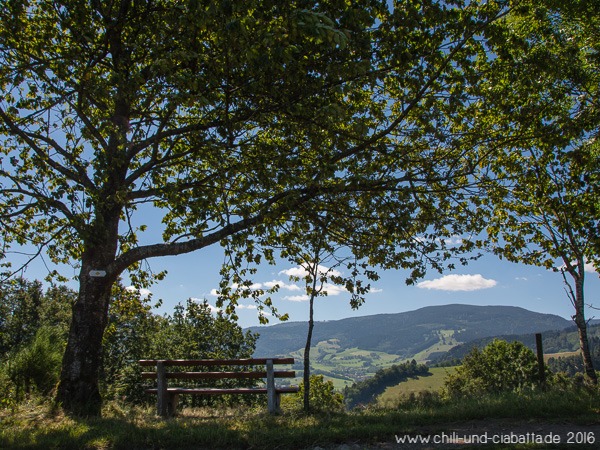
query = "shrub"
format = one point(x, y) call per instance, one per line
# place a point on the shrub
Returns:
point(322, 396)
point(499, 367)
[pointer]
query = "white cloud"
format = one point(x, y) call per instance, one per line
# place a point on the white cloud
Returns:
point(296, 298)
point(213, 309)
point(588, 267)
point(452, 241)
point(301, 272)
point(294, 272)
point(144, 293)
point(282, 285)
point(458, 283)
point(521, 278)
point(246, 307)
point(334, 289)
point(330, 289)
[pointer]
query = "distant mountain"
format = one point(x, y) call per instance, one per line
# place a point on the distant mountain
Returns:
point(409, 333)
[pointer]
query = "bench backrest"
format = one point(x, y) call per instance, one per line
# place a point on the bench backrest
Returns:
point(216, 362)
point(248, 374)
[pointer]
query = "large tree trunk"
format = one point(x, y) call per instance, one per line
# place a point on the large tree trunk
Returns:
point(78, 391)
point(581, 323)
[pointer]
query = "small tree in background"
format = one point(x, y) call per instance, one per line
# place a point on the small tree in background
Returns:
point(320, 259)
point(33, 331)
point(35, 367)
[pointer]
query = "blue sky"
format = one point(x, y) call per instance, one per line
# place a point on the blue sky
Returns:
point(487, 281)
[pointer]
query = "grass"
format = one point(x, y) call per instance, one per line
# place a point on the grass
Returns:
point(446, 342)
point(432, 382)
point(37, 425)
point(547, 356)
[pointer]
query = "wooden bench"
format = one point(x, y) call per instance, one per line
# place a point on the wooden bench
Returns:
point(168, 397)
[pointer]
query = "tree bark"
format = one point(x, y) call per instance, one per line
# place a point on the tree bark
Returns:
point(311, 324)
point(581, 323)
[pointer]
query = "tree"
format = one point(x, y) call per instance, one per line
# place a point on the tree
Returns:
point(25, 308)
point(543, 95)
point(230, 119)
point(318, 262)
point(499, 367)
point(20, 306)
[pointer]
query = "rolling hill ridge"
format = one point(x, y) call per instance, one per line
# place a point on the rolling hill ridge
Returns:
point(409, 333)
point(355, 348)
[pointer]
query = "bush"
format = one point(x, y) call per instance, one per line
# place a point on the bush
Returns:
point(499, 367)
point(322, 396)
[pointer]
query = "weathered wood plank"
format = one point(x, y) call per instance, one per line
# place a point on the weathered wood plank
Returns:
point(220, 375)
point(222, 391)
point(216, 362)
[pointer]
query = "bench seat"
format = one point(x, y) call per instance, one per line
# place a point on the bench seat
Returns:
point(223, 391)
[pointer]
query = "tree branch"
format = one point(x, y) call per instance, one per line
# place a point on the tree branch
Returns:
point(28, 138)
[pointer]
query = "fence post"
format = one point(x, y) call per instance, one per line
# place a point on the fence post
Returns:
point(540, 359)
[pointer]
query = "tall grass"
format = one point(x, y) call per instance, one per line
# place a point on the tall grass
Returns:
point(39, 425)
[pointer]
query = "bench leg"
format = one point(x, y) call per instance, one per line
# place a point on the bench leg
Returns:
point(277, 402)
point(163, 398)
point(272, 395)
point(172, 405)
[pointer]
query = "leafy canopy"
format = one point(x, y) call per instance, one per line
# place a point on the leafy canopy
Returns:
point(230, 119)
point(542, 93)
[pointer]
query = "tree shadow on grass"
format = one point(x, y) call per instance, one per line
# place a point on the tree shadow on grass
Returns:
point(117, 433)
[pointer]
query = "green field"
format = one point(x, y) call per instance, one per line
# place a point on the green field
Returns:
point(547, 356)
point(344, 366)
point(432, 382)
point(32, 425)
point(445, 343)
